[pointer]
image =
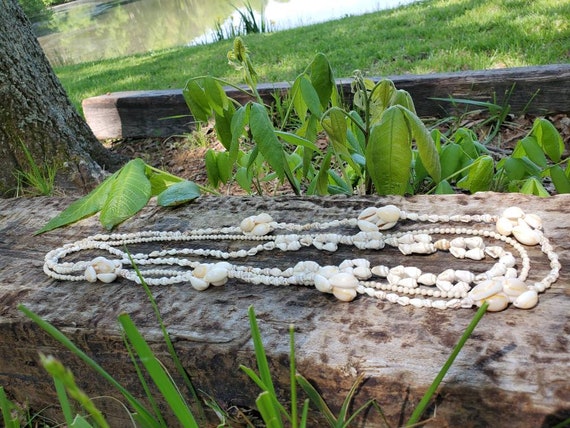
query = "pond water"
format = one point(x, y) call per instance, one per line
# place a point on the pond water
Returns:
point(87, 30)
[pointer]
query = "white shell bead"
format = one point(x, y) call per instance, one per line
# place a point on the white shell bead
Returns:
point(525, 235)
point(362, 272)
point(513, 213)
point(497, 302)
point(344, 294)
point(261, 229)
point(380, 270)
point(458, 252)
point(412, 272)
point(103, 265)
point(263, 218)
point(527, 300)
point(514, 287)
point(427, 279)
point(216, 276)
point(368, 214)
point(486, 289)
point(475, 254)
point(322, 284)
point(494, 251)
point(504, 226)
point(198, 283)
point(465, 276)
point(344, 280)
point(106, 277)
point(533, 221)
point(367, 226)
point(90, 274)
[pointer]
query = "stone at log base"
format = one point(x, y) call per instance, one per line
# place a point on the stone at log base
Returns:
point(513, 370)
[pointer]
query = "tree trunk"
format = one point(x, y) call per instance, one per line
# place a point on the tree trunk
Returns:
point(36, 113)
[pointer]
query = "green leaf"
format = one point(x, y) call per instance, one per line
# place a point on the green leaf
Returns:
point(239, 120)
point(223, 126)
point(266, 140)
point(548, 138)
point(197, 101)
point(380, 99)
point(532, 186)
point(515, 168)
point(218, 98)
point(450, 159)
point(389, 153)
point(82, 208)
point(322, 78)
point(404, 99)
point(334, 124)
point(444, 188)
point(212, 168)
point(534, 151)
point(179, 193)
point(310, 96)
point(299, 103)
point(160, 377)
point(480, 175)
point(296, 140)
point(424, 142)
point(560, 180)
point(129, 193)
point(322, 179)
point(160, 180)
point(467, 140)
point(244, 178)
point(225, 167)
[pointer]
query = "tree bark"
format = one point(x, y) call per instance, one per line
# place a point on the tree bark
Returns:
point(36, 113)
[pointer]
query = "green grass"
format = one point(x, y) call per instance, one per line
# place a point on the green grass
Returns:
point(430, 36)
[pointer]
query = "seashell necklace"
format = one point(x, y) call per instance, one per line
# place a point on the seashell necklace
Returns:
point(500, 285)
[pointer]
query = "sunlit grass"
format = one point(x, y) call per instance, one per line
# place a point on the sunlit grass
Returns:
point(426, 37)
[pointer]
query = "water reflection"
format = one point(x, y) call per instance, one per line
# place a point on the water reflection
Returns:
point(87, 30)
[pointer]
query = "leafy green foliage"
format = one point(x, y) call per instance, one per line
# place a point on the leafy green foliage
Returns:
point(125, 193)
point(537, 157)
point(356, 153)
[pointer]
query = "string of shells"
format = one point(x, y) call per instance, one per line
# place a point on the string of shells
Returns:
point(500, 285)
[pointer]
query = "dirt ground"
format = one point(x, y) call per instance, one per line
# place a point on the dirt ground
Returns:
point(184, 158)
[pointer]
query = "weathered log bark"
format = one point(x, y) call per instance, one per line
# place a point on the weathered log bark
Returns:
point(514, 367)
point(536, 90)
point(35, 112)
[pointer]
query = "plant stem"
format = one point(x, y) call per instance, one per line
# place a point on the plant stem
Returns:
point(420, 408)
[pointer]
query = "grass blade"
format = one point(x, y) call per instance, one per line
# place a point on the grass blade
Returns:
point(156, 371)
point(419, 410)
point(142, 413)
point(6, 407)
point(317, 400)
point(270, 415)
point(169, 344)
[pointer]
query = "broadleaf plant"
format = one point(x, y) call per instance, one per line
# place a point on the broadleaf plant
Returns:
point(125, 193)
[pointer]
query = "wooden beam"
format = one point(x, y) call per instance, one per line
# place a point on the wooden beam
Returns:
point(514, 368)
point(537, 90)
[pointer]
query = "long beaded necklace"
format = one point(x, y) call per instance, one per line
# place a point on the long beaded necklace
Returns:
point(500, 285)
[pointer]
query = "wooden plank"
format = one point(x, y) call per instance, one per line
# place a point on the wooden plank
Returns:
point(515, 366)
point(537, 90)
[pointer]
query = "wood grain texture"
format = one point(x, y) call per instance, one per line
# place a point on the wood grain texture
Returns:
point(514, 368)
point(537, 90)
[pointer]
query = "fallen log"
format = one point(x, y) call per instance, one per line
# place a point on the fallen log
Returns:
point(536, 90)
point(513, 368)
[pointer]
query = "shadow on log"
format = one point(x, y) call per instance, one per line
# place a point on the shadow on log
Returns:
point(537, 90)
point(514, 368)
